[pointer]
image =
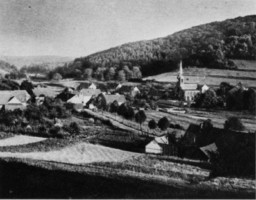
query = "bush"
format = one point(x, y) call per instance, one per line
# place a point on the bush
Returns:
point(74, 128)
point(163, 123)
point(234, 123)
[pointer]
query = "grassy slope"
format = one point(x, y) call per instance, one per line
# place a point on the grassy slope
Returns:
point(214, 77)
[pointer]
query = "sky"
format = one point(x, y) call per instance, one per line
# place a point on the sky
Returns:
point(77, 28)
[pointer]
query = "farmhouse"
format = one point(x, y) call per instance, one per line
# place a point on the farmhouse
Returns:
point(84, 96)
point(104, 100)
point(162, 145)
point(128, 90)
point(14, 99)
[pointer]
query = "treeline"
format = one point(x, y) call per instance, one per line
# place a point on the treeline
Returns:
point(236, 98)
point(210, 45)
point(36, 69)
point(84, 69)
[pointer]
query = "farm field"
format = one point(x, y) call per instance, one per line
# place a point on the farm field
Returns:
point(218, 119)
point(212, 77)
point(245, 64)
point(76, 154)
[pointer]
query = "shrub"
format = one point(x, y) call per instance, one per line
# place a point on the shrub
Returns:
point(234, 123)
point(163, 123)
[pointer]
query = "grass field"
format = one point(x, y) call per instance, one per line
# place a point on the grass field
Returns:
point(245, 64)
point(246, 74)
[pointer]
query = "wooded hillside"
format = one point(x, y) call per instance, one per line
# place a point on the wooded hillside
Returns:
point(209, 45)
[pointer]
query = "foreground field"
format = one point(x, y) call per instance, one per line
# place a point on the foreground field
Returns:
point(76, 154)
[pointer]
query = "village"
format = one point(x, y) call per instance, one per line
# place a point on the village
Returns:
point(153, 122)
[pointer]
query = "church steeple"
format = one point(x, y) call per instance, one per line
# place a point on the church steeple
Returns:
point(180, 75)
point(181, 70)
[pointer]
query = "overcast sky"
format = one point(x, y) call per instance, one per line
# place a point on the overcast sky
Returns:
point(81, 27)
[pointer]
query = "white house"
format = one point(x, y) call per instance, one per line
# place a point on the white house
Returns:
point(84, 96)
point(13, 99)
point(119, 86)
point(156, 146)
point(204, 88)
point(135, 91)
point(92, 86)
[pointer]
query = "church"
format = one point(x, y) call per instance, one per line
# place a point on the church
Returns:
point(187, 87)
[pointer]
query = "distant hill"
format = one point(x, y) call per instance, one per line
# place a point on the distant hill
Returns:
point(211, 45)
point(50, 61)
point(6, 68)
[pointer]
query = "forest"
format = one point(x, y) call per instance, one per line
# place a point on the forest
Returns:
point(210, 45)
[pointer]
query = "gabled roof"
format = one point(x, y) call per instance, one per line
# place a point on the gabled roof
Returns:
point(75, 100)
point(92, 86)
point(89, 92)
point(211, 148)
point(125, 88)
point(14, 100)
point(7, 95)
point(189, 86)
point(162, 140)
point(111, 98)
point(48, 92)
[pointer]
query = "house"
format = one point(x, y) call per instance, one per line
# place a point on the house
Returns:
point(135, 91)
point(187, 87)
point(84, 96)
point(210, 149)
point(14, 99)
point(162, 145)
point(197, 135)
point(118, 86)
point(204, 88)
point(104, 100)
point(128, 90)
point(92, 86)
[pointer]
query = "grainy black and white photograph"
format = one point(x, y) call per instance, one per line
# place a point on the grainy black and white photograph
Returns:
point(127, 99)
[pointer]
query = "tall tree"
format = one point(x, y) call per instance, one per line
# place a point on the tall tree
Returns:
point(140, 117)
point(121, 76)
point(163, 123)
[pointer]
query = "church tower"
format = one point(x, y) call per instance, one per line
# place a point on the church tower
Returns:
point(180, 75)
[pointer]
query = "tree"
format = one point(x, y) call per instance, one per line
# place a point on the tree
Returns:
point(163, 123)
point(136, 72)
point(152, 124)
point(88, 73)
point(128, 72)
point(57, 77)
point(129, 114)
point(140, 117)
point(234, 123)
point(74, 128)
point(207, 125)
point(114, 107)
point(28, 86)
point(121, 76)
point(122, 109)
point(210, 99)
point(110, 74)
